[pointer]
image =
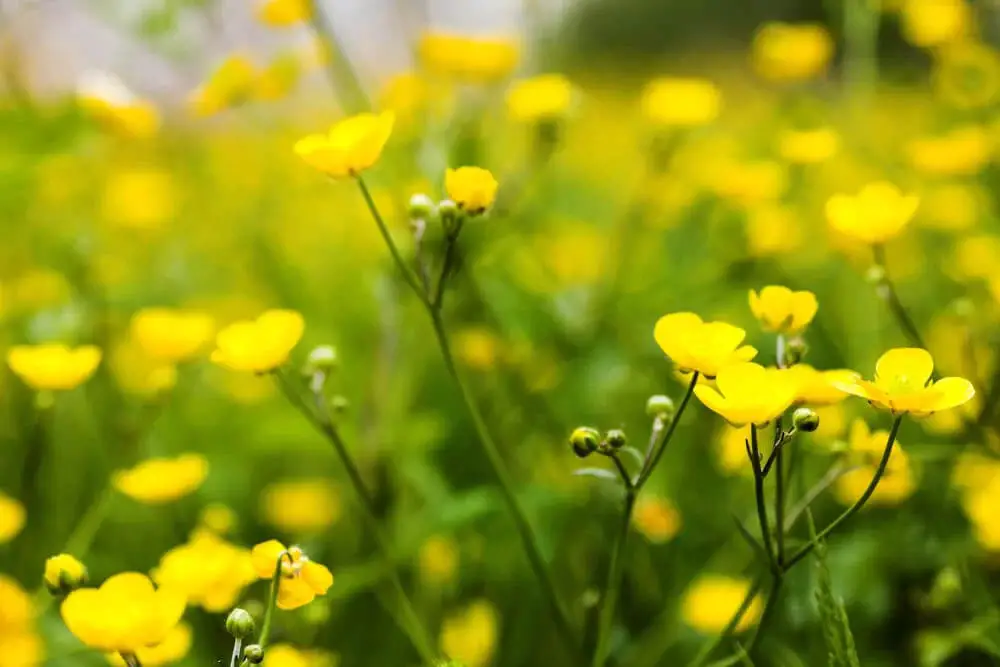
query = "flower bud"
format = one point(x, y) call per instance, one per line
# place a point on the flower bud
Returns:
point(805, 420)
point(795, 351)
point(64, 574)
point(616, 438)
point(254, 654)
point(240, 624)
point(322, 359)
point(448, 211)
point(421, 207)
point(660, 406)
point(584, 441)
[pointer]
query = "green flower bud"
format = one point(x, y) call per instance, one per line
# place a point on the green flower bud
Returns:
point(616, 438)
point(322, 359)
point(805, 420)
point(422, 207)
point(254, 654)
point(240, 623)
point(795, 351)
point(660, 406)
point(448, 211)
point(584, 441)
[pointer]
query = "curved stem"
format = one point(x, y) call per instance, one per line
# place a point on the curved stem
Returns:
point(272, 601)
point(611, 587)
point(667, 434)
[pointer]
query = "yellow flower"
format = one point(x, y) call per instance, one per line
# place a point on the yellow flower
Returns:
point(473, 188)
point(105, 98)
point(125, 614)
point(542, 98)
point(750, 184)
point(468, 58)
point(20, 643)
point(656, 518)
point(232, 83)
point(470, 636)
point(217, 518)
point(208, 570)
point(351, 146)
point(700, 346)
point(301, 579)
point(964, 151)
point(818, 388)
point(283, 13)
point(808, 146)
point(171, 650)
point(171, 335)
point(279, 77)
point(865, 451)
point(772, 230)
point(140, 198)
point(875, 215)
point(678, 102)
point(11, 518)
point(780, 310)
point(438, 559)
point(732, 451)
point(64, 573)
point(929, 23)
point(749, 393)
point(286, 655)
point(259, 345)
point(137, 373)
point(161, 480)
point(953, 206)
point(477, 347)
point(980, 506)
point(791, 52)
point(53, 366)
point(975, 257)
point(301, 506)
point(404, 94)
point(712, 600)
point(903, 385)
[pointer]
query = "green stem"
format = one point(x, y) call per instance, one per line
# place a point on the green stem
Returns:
point(272, 601)
point(769, 607)
point(758, 483)
point(661, 447)
point(779, 500)
point(608, 601)
point(706, 650)
point(853, 509)
point(887, 291)
point(131, 660)
point(446, 267)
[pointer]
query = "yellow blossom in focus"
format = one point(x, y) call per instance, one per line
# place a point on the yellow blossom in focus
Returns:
point(773, 230)
point(105, 98)
point(161, 480)
point(964, 151)
point(259, 345)
point(125, 614)
point(656, 518)
point(12, 518)
point(351, 146)
point(53, 366)
point(137, 373)
point(465, 58)
point(301, 506)
point(477, 348)
point(808, 146)
point(438, 560)
point(470, 635)
point(903, 385)
point(539, 99)
point(817, 388)
point(679, 102)
point(171, 650)
point(284, 13)
point(473, 188)
point(875, 215)
point(232, 83)
point(208, 570)
point(953, 206)
point(780, 310)
point(20, 643)
point(63, 572)
point(705, 347)
point(791, 52)
point(301, 579)
point(865, 450)
point(930, 23)
point(217, 518)
point(171, 335)
point(967, 75)
point(748, 393)
point(712, 600)
point(139, 198)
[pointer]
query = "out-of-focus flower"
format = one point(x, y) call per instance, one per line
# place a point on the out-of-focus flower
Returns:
point(110, 102)
point(751, 184)
point(808, 146)
point(36, 288)
point(477, 348)
point(137, 373)
point(966, 75)
point(694, 345)
point(351, 146)
point(208, 570)
point(865, 450)
point(773, 230)
point(284, 13)
point(12, 518)
point(53, 366)
point(301, 579)
point(171, 335)
point(20, 643)
point(875, 215)
point(233, 82)
point(259, 345)
point(161, 480)
point(712, 600)
point(473, 188)
point(980, 503)
point(964, 151)
point(217, 518)
point(780, 310)
point(748, 393)
point(63, 573)
point(681, 102)
point(929, 23)
point(791, 52)
point(543, 98)
point(470, 635)
point(903, 385)
point(975, 257)
point(656, 518)
point(140, 198)
point(279, 77)
point(468, 59)
point(404, 94)
point(438, 559)
point(953, 206)
point(301, 506)
point(286, 655)
point(126, 614)
point(816, 388)
point(171, 650)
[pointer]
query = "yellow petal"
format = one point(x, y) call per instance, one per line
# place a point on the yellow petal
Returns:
point(294, 593)
point(317, 576)
point(804, 307)
point(741, 380)
point(265, 556)
point(904, 366)
point(670, 331)
point(712, 399)
point(952, 392)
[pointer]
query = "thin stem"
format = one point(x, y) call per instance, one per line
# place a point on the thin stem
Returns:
point(758, 479)
point(779, 500)
point(769, 607)
point(887, 291)
point(446, 267)
point(622, 470)
point(237, 647)
point(707, 649)
point(831, 476)
point(667, 434)
point(272, 601)
point(613, 585)
point(130, 659)
point(853, 509)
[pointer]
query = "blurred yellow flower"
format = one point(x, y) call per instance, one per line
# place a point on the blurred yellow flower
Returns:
point(694, 345)
point(301, 579)
point(53, 366)
point(470, 635)
point(470, 59)
point(259, 345)
point(966, 75)
point(286, 655)
point(20, 643)
point(37, 288)
point(980, 505)
point(64, 573)
point(232, 83)
point(808, 146)
point(780, 310)
point(773, 229)
point(541, 98)
point(351, 146)
point(438, 560)
point(832, 420)
point(681, 102)
point(161, 480)
point(217, 518)
point(141, 198)
point(816, 388)
point(713, 599)
point(301, 506)
point(12, 517)
point(473, 188)
point(171, 650)
point(963, 151)
point(109, 101)
point(405, 95)
point(137, 373)
point(171, 335)
point(125, 614)
point(791, 52)
point(903, 385)
point(748, 393)
point(930, 23)
point(875, 215)
point(656, 518)
point(865, 449)
point(953, 206)
point(279, 77)
point(477, 348)
point(208, 570)
point(751, 184)
point(283, 13)
point(974, 257)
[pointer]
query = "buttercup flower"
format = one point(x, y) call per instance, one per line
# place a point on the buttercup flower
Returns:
point(171, 335)
point(11, 518)
point(171, 650)
point(286, 655)
point(139, 198)
point(126, 614)
point(875, 215)
point(351, 146)
point(300, 506)
point(790, 52)
point(301, 579)
point(217, 518)
point(700, 346)
point(470, 59)
point(865, 450)
point(656, 518)
point(53, 366)
point(283, 13)
point(438, 560)
point(138, 373)
point(780, 310)
point(20, 643)
point(903, 385)
point(749, 393)
point(473, 188)
point(808, 146)
point(712, 600)
point(964, 151)
point(231, 83)
point(542, 98)
point(819, 388)
point(470, 636)
point(110, 102)
point(208, 570)
point(930, 23)
point(64, 573)
point(161, 480)
point(678, 102)
point(279, 77)
point(259, 345)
